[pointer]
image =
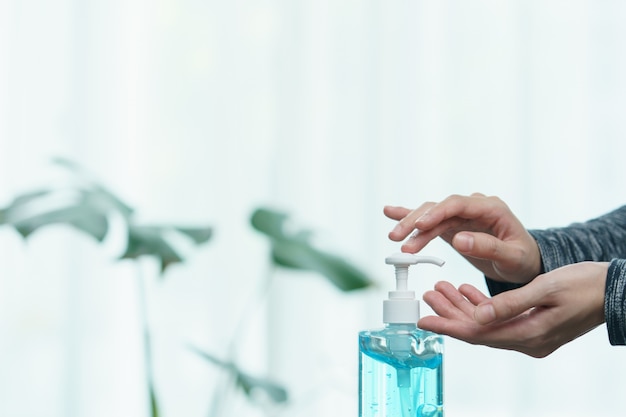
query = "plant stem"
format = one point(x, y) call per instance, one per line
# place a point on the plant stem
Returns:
point(147, 342)
point(258, 297)
point(221, 393)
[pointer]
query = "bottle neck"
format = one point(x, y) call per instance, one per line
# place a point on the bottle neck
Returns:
point(401, 326)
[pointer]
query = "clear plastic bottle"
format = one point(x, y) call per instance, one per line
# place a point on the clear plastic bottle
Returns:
point(401, 365)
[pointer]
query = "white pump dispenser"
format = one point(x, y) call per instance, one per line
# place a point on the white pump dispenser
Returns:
point(401, 365)
point(402, 307)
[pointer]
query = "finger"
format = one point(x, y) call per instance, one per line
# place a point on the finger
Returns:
point(485, 246)
point(463, 330)
point(421, 238)
point(431, 323)
point(443, 307)
point(406, 225)
point(473, 294)
point(437, 324)
point(510, 304)
point(447, 301)
point(455, 297)
point(466, 207)
point(395, 212)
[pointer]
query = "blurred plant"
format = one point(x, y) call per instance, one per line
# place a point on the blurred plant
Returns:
point(87, 206)
point(291, 250)
point(295, 251)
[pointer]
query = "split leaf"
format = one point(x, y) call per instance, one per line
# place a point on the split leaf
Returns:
point(294, 250)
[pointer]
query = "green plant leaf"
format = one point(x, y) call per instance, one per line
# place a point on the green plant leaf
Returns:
point(199, 235)
point(90, 222)
point(103, 200)
point(100, 196)
point(24, 200)
point(20, 204)
point(69, 164)
point(247, 383)
point(295, 251)
point(155, 241)
point(150, 240)
point(86, 210)
point(269, 222)
point(298, 255)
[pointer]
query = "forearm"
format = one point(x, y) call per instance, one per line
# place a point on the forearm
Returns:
point(600, 240)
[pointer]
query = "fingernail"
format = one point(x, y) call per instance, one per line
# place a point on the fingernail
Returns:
point(485, 313)
point(464, 242)
point(396, 229)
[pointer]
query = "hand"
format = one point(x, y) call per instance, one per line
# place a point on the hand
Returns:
point(536, 319)
point(482, 229)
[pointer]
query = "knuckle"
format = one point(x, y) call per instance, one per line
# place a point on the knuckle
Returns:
point(550, 287)
point(497, 203)
point(492, 247)
point(453, 199)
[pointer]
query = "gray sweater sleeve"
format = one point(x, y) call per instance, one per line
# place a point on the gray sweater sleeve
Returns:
point(601, 240)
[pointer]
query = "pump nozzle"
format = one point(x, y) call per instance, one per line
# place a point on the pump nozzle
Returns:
point(402, 307)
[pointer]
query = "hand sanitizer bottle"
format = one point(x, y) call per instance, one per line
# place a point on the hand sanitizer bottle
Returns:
point(401, 366)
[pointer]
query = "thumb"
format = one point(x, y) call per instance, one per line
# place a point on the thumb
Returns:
point(484, 246)
point(508, 304)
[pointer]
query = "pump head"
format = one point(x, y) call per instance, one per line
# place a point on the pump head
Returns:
point(402, 307)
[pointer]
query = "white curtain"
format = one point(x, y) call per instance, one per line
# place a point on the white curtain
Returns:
point(197, 112)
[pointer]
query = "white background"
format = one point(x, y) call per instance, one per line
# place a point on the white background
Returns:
point(197, 112)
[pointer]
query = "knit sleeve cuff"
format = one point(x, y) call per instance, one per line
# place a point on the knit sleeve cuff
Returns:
point(615, 302)
point(496, 287)
point(549, 250)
